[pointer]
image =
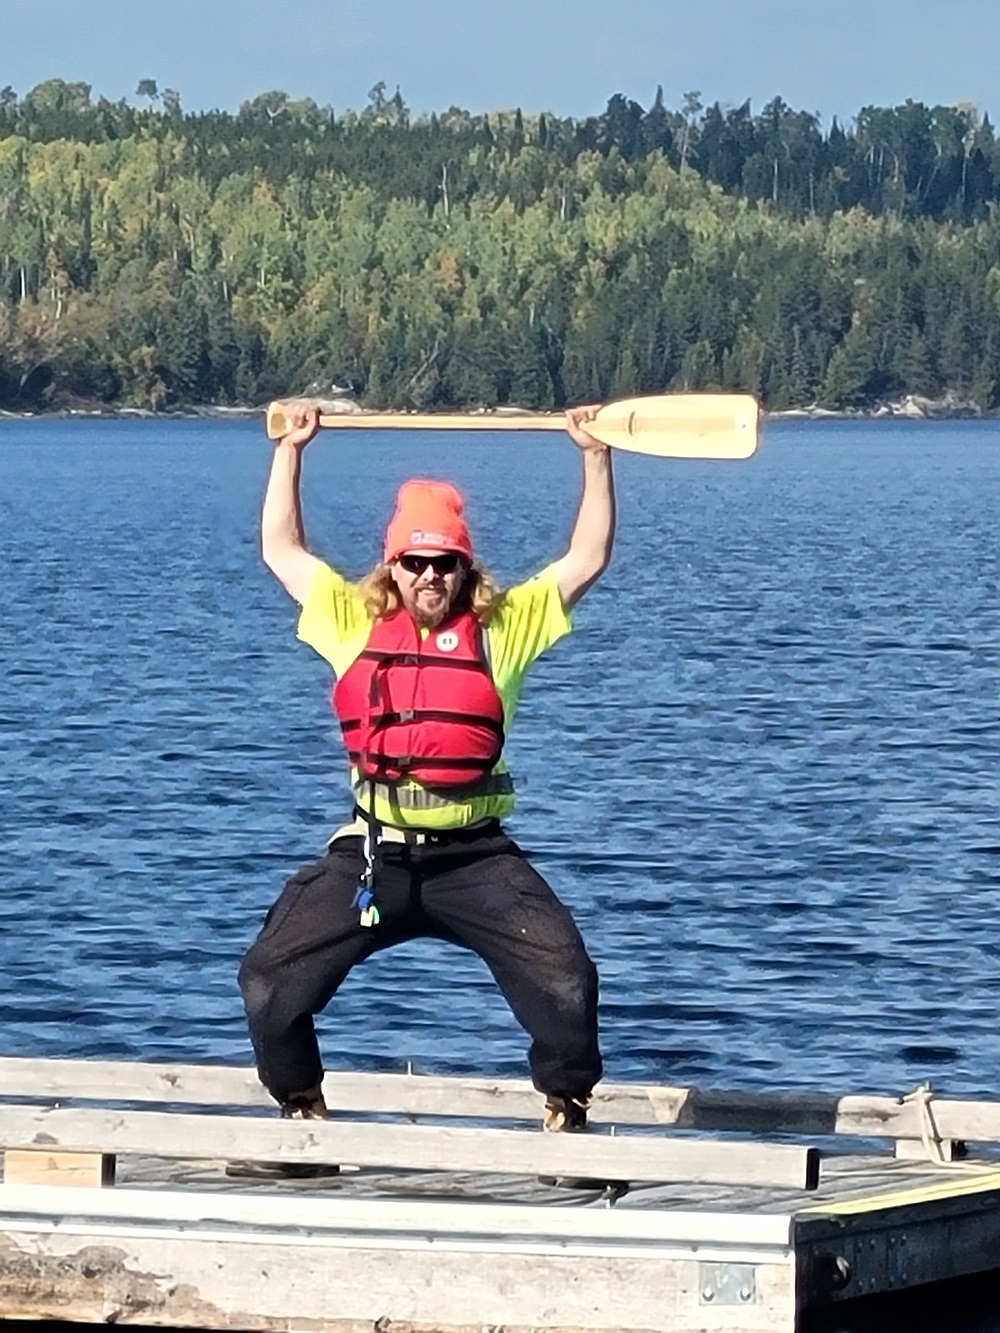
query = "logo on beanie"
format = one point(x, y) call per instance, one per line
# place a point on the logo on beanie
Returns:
point(447, 641)
point(421, 537)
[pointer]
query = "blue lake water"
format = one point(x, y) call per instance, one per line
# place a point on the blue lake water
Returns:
point(763, 771)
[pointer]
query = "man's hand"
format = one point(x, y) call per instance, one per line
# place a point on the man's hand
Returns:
point(576, 420)
point(304, 422)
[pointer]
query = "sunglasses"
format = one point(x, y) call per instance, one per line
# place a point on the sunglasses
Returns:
point(441, 564)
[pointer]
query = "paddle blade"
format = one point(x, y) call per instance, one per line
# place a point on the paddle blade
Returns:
point(681, 425)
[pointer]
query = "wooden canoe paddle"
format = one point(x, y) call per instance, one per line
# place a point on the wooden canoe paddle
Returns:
point(670, 425)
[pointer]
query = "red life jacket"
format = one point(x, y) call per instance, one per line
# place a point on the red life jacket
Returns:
point(426, 709)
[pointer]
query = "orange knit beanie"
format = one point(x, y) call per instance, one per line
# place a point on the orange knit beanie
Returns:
point(428, 517)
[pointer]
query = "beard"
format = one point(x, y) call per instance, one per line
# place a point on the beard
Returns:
point(429, 613)
point(429, 619)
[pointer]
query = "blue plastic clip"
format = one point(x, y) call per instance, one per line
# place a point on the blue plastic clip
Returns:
point(364, 899)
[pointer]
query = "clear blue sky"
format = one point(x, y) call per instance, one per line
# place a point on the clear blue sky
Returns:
point(565, 56)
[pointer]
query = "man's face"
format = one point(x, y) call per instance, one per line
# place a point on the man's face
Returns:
point(428, 583)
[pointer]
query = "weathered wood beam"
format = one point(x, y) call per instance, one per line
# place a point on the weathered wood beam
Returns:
point(707, 1109)
point(165, 1279)
point(177, 1135)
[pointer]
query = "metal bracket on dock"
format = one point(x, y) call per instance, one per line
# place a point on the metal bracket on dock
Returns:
point(727, 1284)
point(862, 1265)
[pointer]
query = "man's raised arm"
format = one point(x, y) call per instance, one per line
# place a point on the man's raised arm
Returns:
point(282, 535)
point(593, 536)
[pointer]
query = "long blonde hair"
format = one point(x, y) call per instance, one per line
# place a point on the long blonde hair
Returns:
point(480, 593)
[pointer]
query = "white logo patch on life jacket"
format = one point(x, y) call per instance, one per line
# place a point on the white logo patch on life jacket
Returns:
point(447, 641)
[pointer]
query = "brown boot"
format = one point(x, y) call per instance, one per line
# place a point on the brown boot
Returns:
point(568, 1115)
point(565, 1115)
point(308, 1105)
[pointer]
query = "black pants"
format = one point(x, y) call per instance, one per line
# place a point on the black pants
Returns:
point(475, 889)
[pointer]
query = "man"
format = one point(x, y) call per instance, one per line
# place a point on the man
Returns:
point(429, 658)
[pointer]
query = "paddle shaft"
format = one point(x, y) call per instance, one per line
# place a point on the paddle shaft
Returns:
point(443, 421)
point(426, 421)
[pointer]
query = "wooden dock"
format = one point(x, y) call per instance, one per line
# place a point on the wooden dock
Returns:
point(698, 1210)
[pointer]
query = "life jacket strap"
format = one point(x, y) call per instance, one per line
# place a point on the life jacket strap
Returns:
point(408, 715)
point(388, 659)
point(403, 763)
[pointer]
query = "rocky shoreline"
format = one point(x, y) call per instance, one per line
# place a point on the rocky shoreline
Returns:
point(913, 407)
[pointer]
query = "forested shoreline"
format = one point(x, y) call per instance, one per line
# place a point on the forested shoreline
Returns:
point(152, 258)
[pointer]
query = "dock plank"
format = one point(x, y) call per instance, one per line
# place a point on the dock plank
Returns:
point(418, 1095)
point(607, 1157)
